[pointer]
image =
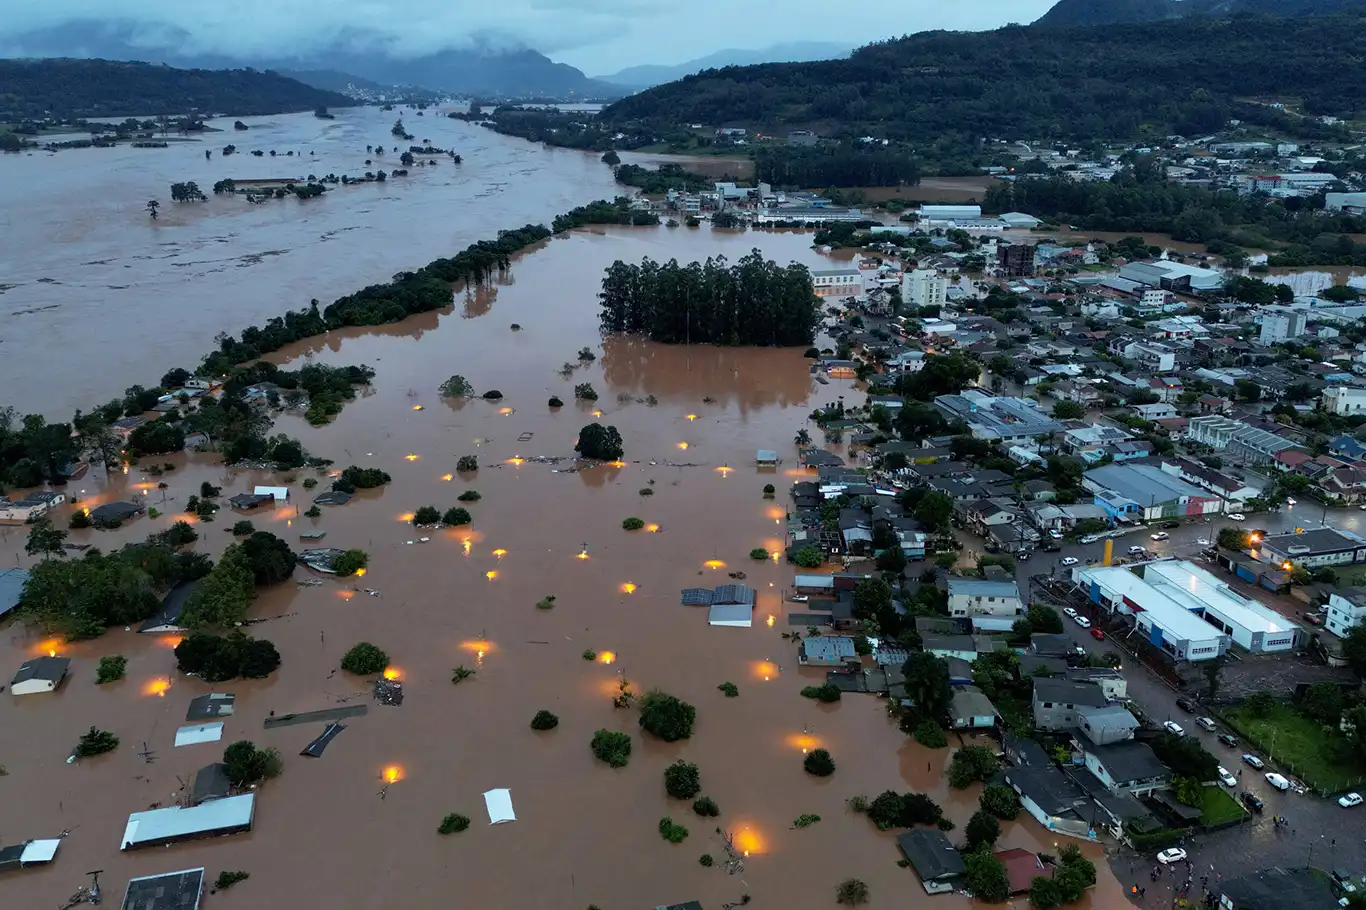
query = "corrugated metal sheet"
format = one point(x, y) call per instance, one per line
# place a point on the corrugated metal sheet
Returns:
point(199, 733)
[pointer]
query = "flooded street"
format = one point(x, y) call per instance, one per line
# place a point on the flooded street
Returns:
point(585, 833)
point(127, 297)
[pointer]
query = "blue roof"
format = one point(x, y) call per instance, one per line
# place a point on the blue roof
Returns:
point(1348, 446)
point(11, 588)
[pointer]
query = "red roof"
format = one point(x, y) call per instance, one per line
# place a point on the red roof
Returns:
point(1022, 867)
point(1292, 457)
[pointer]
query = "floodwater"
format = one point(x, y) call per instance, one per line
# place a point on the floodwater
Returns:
point(87, 274)
point(584, 833)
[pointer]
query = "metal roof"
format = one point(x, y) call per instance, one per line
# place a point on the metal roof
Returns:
point(1194, 588)
point(697, 597)
point(981, 588)
point(1129, 761)
point(160, 826)
point(199, 733)
point(1143, 484)
point(168, 891)
point(52, 669)
point(11, 588)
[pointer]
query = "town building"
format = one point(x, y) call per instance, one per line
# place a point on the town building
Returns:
point(1144, 492)
point(1015, 260)
point(826, 651)
point(1054, 800)
point(942, 214)
point(1237, 438)
point(1277, 327)
point(1151, 355)
point(980, 599)
point(837, 282)
point(1112, 682)
point(1232, 490)
point(1129, 767)
point(1105, 724)
point(1275, 888)
point(923, 287)
point(1312, 549)
point(31, 507)
point(1058, 701)
point(1173, 276)
point(1019, 220)
point(933, 858)
point(970, 709)
point(1161, 620)
point(1010, 420)
point(1345, 610)
point(1345, 202)
point(37, 852)
point(1344, 401)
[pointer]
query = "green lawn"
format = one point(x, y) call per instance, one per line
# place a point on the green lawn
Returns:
point(1218, 807)
point(1323, 759)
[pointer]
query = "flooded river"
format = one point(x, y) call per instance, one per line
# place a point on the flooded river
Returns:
point(585, 834)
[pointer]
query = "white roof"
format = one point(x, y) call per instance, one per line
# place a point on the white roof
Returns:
point(163, 825)
point(737, 615)
point(499, 804)
point(40, 851)
point(1174, 617)
point(814, 581)
point(1192, 586)
point(199, 733)
point(280, 494)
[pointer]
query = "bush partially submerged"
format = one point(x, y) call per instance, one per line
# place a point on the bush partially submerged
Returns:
point(427, 515)
point(682, 780)
point(467, 463)
point(706, 806)
point(216, 658)
point(111, 668)
point(227, 879)
point(364, 659)
point(819, 763)
point(612, 747)
point(826, 692)
point(671, 832)
point(666, 716)
point(453, 823)
point(544, 720)
point(851, 891)
point(248, 764)
point(455, 517)
point(632, 524)
point(96, 742)
point(469, 496)
point(930, 735)
point(729, 689)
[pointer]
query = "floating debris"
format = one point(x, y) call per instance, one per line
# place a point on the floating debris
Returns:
point(389, 692)
point(315, 748)
point(309, 582)
point(328, 714)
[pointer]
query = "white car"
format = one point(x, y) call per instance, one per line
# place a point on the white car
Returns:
point(1172, 726)
point(1070, 560)
point(1089, 538)
point(1350, 800)
point(1171, 855)
point(1055, 534)
point(1069, 612)
point(1160, 535)
point(1082, 621)
point(1237, 516)
point(1203, 541)
point(1228, 780)
point(1290, 501)
point(1137, 551)
point(799, 598)
point(1277, 781)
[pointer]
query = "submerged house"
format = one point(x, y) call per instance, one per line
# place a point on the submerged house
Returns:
point(41, 674)
point(158, 827)
point(934, 859)
point(172, 890)
point(167, 618)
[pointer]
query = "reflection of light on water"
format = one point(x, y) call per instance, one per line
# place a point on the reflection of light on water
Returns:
point(769, 621)
point(490, 574)
point(417, 407)
point(682, 445)
point(804, 741)
point(171, 641)
point(447, 477)
point(775, 513)
point(714, 564)
point(749, 841)
point(346, 595)
point(393, 774)
point(505, 410)
point(157, 687)
point(606, 657)
point(407, 517)
point(360, 572)
point(500, 552)
point(411, 456)
point(652, 528)
point(477, 645)
point(48, 647)
point(582, 554)
point(597, 412)
point(617, 464)
point(516, 462)
point(764, 669)
point(692, 416)
point(628, 588)
point(393, 673)
point(725, 470)
point(467, 544)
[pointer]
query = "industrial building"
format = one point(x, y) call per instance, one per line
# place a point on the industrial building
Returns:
point(1312, 549)
point(1252, 626)
point(1146, 493)
point(1010, 420)
point(1164, 622)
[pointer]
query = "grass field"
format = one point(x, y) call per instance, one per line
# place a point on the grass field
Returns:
point(1217, 807)
point(1324, 760)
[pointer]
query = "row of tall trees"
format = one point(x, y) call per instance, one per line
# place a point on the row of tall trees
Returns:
point(842, 165)
point(754, 302)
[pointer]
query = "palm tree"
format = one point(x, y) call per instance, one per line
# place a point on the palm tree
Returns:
point(152, 206)
point(803, 438)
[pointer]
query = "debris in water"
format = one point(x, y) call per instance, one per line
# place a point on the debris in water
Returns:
point(389, 692)
point(315, 748)
point(372, 592)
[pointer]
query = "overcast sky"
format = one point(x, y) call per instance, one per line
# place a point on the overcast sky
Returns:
point(598, 36)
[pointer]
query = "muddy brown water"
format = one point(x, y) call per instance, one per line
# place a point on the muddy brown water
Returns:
point(585, 834)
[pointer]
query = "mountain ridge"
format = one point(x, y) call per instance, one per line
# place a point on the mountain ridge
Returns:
point(1070, 13)
point(649, 74)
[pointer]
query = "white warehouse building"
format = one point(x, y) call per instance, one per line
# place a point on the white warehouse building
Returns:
point(1163, 623)
point(1253, 626)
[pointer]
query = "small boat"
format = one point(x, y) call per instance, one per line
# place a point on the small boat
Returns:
point(312, 535)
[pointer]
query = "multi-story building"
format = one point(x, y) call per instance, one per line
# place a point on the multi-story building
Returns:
point(1236, 438)
point(1311, 549)
point(1345, 610)
point(1151, 355)
point(1282, 326)
point(837, 282)
point(1016, 260)
point(1344, 401)
point(923, 287)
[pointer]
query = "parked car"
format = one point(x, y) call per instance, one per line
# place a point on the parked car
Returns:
point(1022, 556)
point(1312, 619)
point(1253, 761)
point(1206, 723)
point(1137, 551)
point(1251, 801)
point(1082, 621)
point(1228, 740)
point(1055, 533)
point(1172, 726)
point(1237, 516)
point(1069, 612)
point(799, 598)
point(1171, 524)
point(1185, 704)
point(1051, 547)
point(1344, 882)
point(1277, 781)
point(1228, 780)
point(1203, 541)
point(1161, 535)
point(1171, 855)
point(1350, 800)
point(1069, 560)
point(1098, 634)
point(1089, 538)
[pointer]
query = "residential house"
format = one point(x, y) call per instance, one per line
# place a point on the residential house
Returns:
point(167, 618)
point(1154, 411)
point(125, 426)
point(1166, 388)
point(40, 674)
point(963, 647)
point(973, 598)
point(1345, 610)
point(1044, 644)
point(827, 651)
point(31, 507)
point(1056, 702)
point(1312, 549)
point(116, 511)
point(987, 513)
point(1010, 420)
point(969, 709)
point(1127, 766)
point(1151, 355)
point(1112, 682)
point(1106, 724)
point(1237, 438)
point(1022, 867)
point(933, 858)
point(1054, 800)
point(1227, 487)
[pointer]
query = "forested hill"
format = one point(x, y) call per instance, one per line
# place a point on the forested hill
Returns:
point(32, 89)
point(1113, 82)
point(1111, 12)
